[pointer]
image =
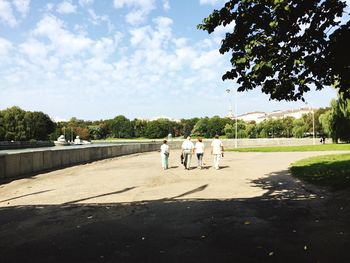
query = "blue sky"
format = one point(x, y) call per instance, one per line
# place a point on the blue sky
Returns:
point(95, 59)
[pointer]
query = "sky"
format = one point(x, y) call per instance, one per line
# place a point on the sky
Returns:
point(95, 59)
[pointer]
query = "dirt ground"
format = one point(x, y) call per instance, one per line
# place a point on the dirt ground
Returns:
point(128, 209)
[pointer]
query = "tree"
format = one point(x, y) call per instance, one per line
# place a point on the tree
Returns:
point(201, 127)
point(2, 128)
point(230, 129)
point(337, 121)
point(285, 46)
point(38, 125)
point(287, 126)
point(139, 127)
point(299, 128)
point(216, 125)
point(83, 133)
point(121, 127)
point(188, 125)
point(14, 124)
point(159, 128)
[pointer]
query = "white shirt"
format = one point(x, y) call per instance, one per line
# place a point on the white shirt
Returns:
point(199, 147)
point(217, 146)
point(164, 148)
point(187, 145)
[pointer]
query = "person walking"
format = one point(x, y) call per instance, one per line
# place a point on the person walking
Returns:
point(217, 150)
point(164, 155)
point(199, 148)
point(187, 151)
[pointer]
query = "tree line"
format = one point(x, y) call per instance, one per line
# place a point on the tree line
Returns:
point(19, 125)
point(324, 121)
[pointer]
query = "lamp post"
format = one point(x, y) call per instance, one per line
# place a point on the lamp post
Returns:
point(230, 115)
point(236, 120)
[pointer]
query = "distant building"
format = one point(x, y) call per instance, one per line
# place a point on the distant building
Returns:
point(259, 116)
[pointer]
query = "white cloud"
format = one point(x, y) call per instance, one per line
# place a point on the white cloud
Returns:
point(154, 63)
point(22, 6)
point(5, 47)
point(6, 13)
point(98, 20)
point(66, 7)
point(210, 2)
point(49, 7)
point(139, 12)
point(85, 3)
point(63, 41)
point(166, 5)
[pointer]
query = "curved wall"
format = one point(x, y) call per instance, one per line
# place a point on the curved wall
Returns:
point(29, 162)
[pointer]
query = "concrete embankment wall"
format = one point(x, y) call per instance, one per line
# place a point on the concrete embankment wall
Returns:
point(6, 145)
point(31, 162)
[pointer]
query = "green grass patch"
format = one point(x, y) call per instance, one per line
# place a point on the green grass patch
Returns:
point(327, 170)
point(301, 148)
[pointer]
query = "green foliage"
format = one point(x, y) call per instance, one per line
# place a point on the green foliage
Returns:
point(209, 127)
point(201, 128)
point(188, 125)
point(159, 128)
point(299, 130)
point(336, 122)
point(285, 46)
point(301, 148)
point(139, 127)
point(121, 127)
point(327, 170)
point(19, 125)
point(2, 128)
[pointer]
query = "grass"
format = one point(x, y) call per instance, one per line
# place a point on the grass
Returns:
point(327, 170)
point(302, 148)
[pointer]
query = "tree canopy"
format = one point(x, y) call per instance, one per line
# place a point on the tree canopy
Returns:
point(285, 46)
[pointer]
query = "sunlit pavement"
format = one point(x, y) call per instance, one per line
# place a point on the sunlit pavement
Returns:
point(128, 209)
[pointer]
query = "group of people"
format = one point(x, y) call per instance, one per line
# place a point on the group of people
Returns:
point(188, 148)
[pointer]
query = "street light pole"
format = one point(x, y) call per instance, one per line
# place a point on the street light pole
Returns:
point(236, 128)
point(236, 118)
point(313, 127)
point(230, 115)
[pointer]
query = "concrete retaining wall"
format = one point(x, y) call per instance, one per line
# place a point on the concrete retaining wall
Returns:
point(6, 145)
point(20, 164)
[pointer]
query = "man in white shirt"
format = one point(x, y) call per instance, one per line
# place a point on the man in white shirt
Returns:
point(187, 151)
point(217, 150)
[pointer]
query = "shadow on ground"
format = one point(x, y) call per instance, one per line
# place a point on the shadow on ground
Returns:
point(286, 224)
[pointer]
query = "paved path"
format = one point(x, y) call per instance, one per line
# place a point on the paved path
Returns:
point(128, 209)
point(140, 177)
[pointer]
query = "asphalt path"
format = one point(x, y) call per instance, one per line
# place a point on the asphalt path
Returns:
point(128, 209)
